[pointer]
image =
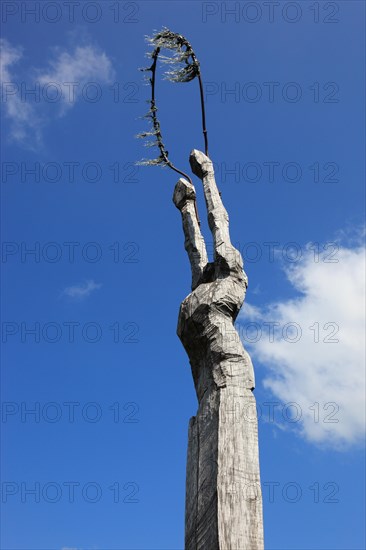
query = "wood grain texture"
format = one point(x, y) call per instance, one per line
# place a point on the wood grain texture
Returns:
point(223, 493)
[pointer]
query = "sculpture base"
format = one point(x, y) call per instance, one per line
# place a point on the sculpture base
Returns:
point(223, 493)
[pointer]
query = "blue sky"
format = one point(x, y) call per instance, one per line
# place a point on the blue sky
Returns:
point(105, 373)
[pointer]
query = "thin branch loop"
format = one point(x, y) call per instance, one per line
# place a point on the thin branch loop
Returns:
point(185, 67)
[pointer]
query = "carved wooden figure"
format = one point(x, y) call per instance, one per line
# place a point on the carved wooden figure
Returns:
point(223, 493)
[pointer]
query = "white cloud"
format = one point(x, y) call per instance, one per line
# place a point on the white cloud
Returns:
point(306, 371)
point(81, 290)
point(65, 79)
point(70, 73)
point(25, 122)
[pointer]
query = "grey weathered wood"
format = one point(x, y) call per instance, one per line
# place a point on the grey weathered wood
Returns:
point(223, 493)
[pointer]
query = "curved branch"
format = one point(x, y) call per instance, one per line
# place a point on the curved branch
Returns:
point(185, 55)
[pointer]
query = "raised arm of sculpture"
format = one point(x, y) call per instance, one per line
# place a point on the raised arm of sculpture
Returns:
point(223, 493)
point(207, 315)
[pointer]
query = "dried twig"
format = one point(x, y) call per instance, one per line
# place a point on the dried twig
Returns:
point(184, 68)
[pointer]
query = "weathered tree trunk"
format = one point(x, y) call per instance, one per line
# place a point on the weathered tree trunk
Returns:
point(223, 493)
